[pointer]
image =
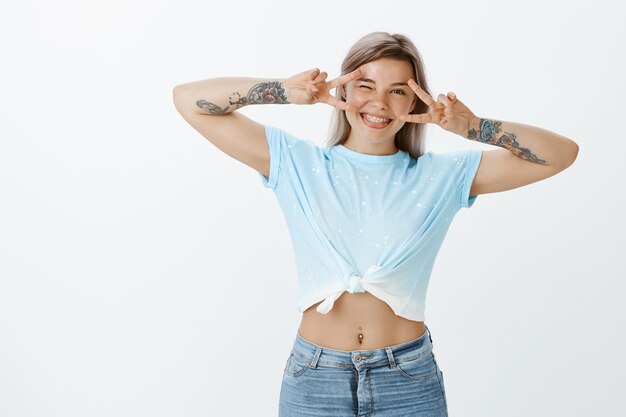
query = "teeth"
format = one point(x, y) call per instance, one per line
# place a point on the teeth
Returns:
point(375, 119)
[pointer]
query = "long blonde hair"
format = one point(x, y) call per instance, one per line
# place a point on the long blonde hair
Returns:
point(371, 47)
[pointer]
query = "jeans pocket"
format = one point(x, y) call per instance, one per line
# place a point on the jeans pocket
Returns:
point(296, 365)
point(419, 368)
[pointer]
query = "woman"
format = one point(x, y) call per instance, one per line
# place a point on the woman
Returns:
point(367, 214)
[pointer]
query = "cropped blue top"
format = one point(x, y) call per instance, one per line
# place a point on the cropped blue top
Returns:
point(361, 222)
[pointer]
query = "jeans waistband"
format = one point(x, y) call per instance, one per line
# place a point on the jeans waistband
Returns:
point(315, 354)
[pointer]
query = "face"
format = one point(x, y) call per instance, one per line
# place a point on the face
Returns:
point(376, 93)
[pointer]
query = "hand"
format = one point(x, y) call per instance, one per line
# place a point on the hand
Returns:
point(310, 87)
point(448, 112)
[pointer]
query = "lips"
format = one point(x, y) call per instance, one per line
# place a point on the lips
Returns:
point(387, 119)
point(374, 125)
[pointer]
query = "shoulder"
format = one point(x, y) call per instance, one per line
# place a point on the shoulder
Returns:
point(297, 151)
point(290, 139)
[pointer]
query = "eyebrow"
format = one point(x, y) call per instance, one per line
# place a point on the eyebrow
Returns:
point(367, 80)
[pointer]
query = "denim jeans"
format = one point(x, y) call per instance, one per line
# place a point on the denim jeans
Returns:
point(399, 380)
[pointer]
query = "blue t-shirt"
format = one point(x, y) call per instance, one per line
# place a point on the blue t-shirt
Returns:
point(362, 222)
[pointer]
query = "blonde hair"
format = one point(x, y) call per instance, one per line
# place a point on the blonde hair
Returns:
point(371, 47)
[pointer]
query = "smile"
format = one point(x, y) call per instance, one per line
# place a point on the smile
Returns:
point(373, 121)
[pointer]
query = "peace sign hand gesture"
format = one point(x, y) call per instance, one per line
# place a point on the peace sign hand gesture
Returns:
point(310, 87)
point(448, 112)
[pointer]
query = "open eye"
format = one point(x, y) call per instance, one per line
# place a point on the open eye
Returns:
point(401, 91)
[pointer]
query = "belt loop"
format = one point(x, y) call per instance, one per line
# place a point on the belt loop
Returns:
point(392, 360)
point(428, 330)
point(316, 357)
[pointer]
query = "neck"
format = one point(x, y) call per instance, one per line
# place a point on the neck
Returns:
point(371, 148)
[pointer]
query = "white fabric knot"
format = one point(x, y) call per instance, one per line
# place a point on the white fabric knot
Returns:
point(356, 281)
point(355, 284)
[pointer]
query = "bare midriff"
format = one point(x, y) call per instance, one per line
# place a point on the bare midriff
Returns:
point(358, 321)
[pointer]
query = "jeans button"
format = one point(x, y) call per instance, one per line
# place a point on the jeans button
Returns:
point(357, 358)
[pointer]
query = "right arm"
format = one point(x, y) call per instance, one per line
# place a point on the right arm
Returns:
point(209, 107)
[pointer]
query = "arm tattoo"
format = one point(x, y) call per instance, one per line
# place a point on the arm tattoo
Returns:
point(263, 93)
point(487, 134)
point(210, 107)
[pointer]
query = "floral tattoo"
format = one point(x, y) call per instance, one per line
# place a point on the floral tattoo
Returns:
point(271, 92)
point(508, 140)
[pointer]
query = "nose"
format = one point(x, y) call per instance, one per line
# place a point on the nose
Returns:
point(379, 99)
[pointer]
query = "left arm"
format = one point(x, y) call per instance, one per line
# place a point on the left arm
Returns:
point(529, 154)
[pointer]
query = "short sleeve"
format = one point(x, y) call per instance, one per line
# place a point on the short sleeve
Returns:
point(276, 141)
point(460, 167)
point(470, 162)
point(290, 159)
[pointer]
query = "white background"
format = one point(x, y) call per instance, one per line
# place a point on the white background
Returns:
point(145, 273)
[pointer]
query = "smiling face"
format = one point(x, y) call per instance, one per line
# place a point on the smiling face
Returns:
point(381, 91)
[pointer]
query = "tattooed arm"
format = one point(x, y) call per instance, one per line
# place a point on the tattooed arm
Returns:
point(235, 134)
point(232, 132)
point(533, 144)
point(527, 142)
point(529, 154)
point(224, 95)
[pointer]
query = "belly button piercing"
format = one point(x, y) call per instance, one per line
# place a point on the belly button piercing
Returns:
point(361, 338)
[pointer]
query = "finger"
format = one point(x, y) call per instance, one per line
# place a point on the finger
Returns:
point(416, 118)
point(338, 103)
point(423, 95)
point(313, 73)
point(320, 77)
point(345, 78)
point(452, 97)
point(443, 100)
